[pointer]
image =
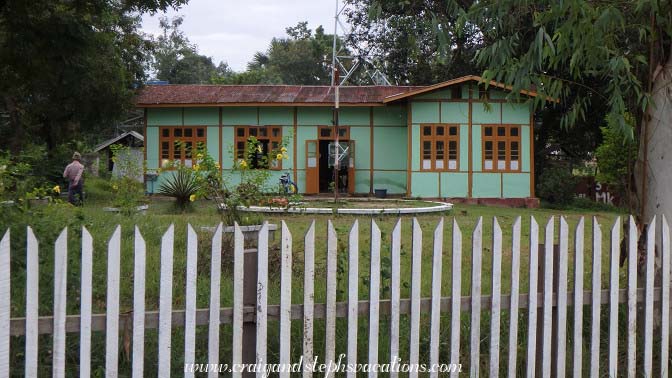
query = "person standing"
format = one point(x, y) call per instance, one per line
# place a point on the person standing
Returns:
point(74, 173)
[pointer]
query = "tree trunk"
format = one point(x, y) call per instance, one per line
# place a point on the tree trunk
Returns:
point(653, 170)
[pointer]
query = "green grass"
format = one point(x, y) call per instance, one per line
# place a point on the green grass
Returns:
point(48, 222)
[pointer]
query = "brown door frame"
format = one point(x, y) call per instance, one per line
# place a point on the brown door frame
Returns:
point(313, 173)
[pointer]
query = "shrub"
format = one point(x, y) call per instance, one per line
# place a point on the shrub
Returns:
point(126, 184)
point(556, 185)
point(182, 185)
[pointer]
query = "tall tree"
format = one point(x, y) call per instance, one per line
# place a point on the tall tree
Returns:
point(418, 40)
point(69, 66)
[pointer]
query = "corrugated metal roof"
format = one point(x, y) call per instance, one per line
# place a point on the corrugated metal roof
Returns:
point(114, 140)
point(178, 94)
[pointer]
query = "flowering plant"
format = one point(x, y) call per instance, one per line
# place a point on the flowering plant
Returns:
point(126, 181)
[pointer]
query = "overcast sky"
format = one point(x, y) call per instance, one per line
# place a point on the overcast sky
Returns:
point(233, 30)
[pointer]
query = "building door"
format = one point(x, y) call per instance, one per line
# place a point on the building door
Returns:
point(312, 168)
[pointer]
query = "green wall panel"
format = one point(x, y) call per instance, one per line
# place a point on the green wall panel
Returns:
point(276, 115)
point(288, 135)
point(516, 185)
point(425, 184)
point(239, 115)
point(362, 138)
point(227, 147)
point(525, 148)
point(390, 148)
point(351, 116)
point(516, 113)
point(391, 115)
point(201, 116)
point(465, 90)
point(301, 181)
point(394, 182)
point(304, 133)
point(437, 94)
point(213, 142)
point(486, 185)
point(454, 112)
point(482, 113)
point(362, 180)
point(164, 116)
point(464, 148)
point(314, 116)
point(496, 94)
point(454, 184)
point(425, 112)
point(476, 156)
point(152, 147)
point(415, 147)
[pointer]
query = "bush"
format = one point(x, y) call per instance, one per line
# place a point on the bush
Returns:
point(182, 185)
point(556, 186)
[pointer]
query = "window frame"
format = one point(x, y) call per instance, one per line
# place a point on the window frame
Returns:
point(446, 138)
point(172, 138)
point(496, 139)
point(269, 136)
point(345, 136)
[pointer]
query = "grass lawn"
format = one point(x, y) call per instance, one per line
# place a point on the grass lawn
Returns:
point(48, 221)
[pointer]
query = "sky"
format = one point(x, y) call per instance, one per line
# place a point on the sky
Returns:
point(233, 30)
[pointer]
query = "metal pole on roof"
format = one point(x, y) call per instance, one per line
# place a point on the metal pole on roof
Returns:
point(335, 82)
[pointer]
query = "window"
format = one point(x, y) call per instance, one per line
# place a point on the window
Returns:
point(178, 143)
point(501, 148)
point(327, 132)
point(269, 137)
point(439, 147)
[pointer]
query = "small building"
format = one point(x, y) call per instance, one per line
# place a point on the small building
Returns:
point(131, 139)
point(453, 140)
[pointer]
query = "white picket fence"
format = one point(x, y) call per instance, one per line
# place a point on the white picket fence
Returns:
point(374, 308)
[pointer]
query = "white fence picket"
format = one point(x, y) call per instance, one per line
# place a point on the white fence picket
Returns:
point(374, 297)
point(60, 298)
point(633, 236)
point(190, 301)
point(665, 303)
point(353, 295)
point(395, 294)
point(285, 298)
point(476, 261)
point(308, 299)
point(86, 307)
point(648, 302)
point(435, 316)
point(238, 296)
point(596, 301)
point(532, 306)
point(112, 309)
point(262, 298)
point(614, 255)
point(563, 263)
point(496, 307)
point(5, 304)
point(139, 274)
point(330, 316)
point(416, 284)
point(215, 288)
point(548, 299)
point(515, 291)
point(578, 299)
point(456, 297)
point(166, 302)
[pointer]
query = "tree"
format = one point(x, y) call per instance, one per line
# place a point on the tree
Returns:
point(177, 60)
point(582, 52)
point(68, 67)
point(418, 40)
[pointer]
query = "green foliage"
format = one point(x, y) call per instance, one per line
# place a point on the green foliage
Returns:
point(556, 185)
point(128, 191)
point(616, 156)
point(69, 67)
point(182, 185)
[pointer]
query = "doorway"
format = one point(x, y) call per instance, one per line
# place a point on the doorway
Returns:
point(320, 162)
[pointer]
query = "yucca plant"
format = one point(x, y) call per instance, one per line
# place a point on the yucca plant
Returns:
point(182, 185)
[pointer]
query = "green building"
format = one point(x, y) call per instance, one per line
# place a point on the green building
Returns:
point(453, 140)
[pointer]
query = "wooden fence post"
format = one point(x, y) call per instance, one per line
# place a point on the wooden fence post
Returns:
point(250, 299)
